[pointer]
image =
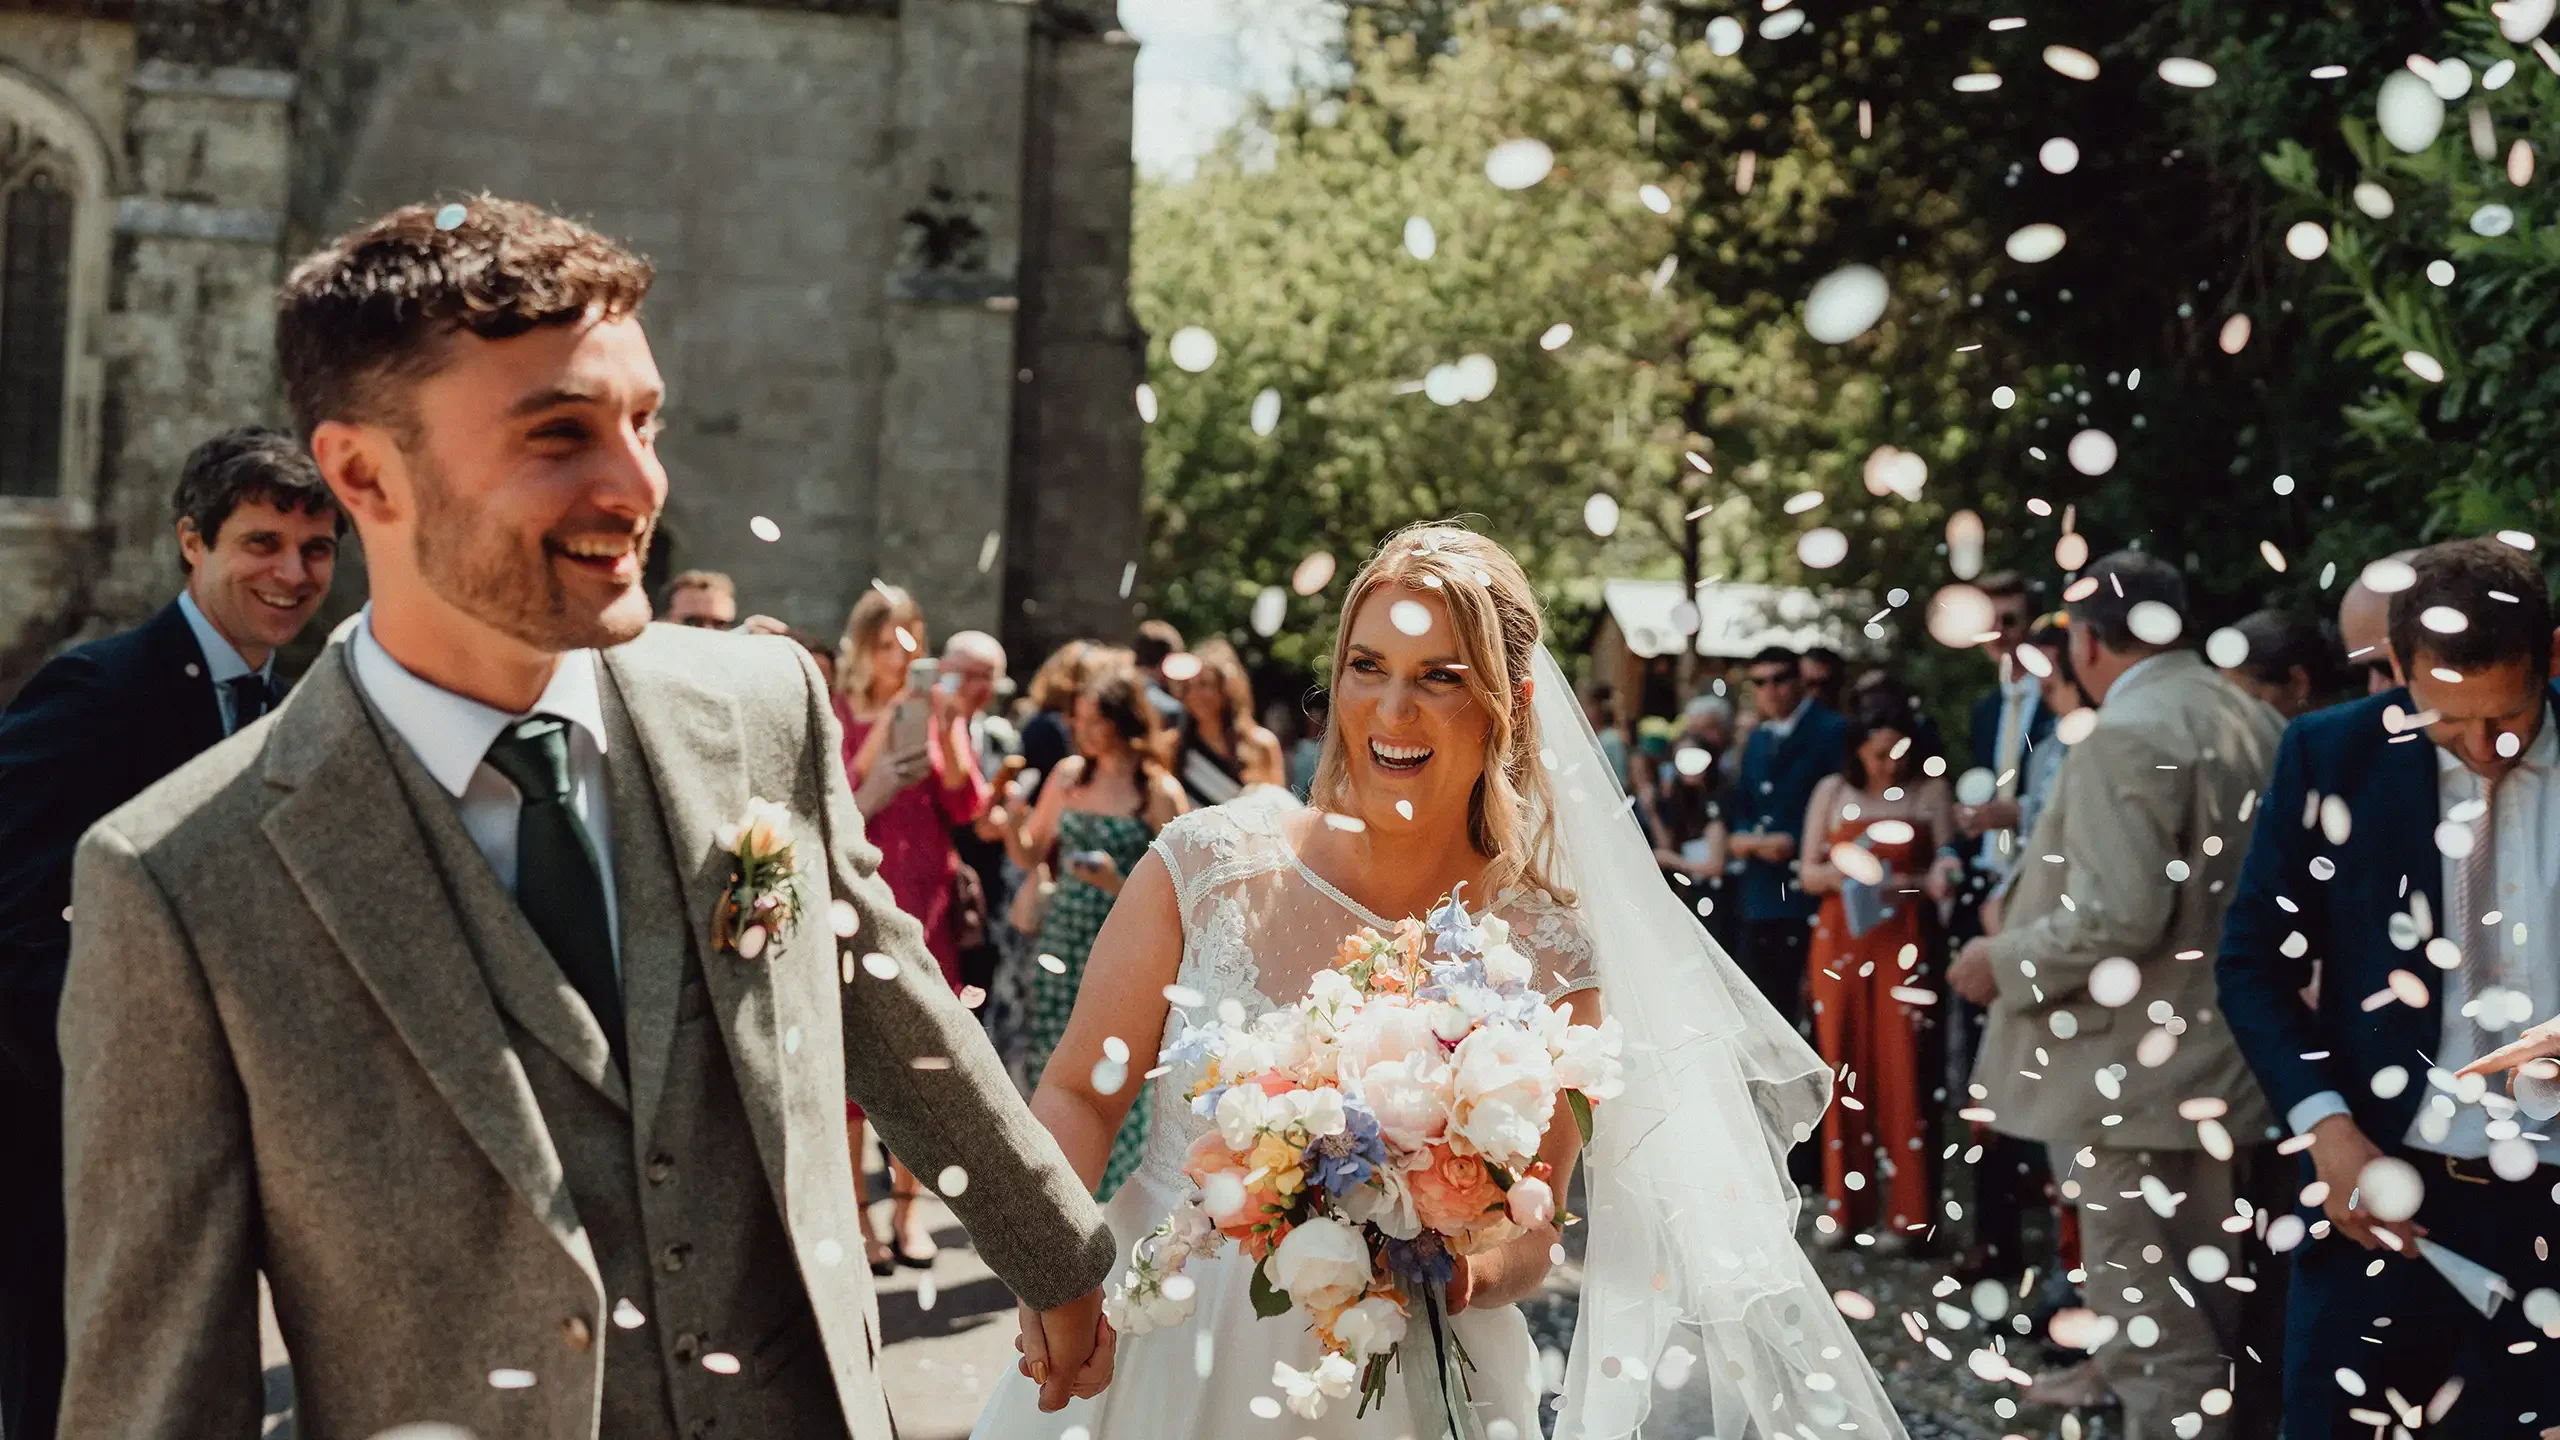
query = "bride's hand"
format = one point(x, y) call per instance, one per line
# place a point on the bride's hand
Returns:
point(1503, 1276)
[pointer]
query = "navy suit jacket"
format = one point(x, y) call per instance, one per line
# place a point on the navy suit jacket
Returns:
point(2344, 898)
point(1986, 731)
point(1778, 776)
point(96, 726)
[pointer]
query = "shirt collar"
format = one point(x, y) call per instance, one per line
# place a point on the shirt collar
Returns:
point(1783, 728)
point(451, 734)
point(2542, 754)
point(221, 662)
point(2137, 667)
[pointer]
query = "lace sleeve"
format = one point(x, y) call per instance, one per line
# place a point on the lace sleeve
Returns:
point(1558, 947)
point(1200, 851)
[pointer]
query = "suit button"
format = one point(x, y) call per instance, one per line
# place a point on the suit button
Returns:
point(662, 1168)
point(578, 1333)
point(686, 1348)
point(673, 1257)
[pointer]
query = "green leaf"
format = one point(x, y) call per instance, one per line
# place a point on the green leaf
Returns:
point(1270, 1302)
point(1580, 1104)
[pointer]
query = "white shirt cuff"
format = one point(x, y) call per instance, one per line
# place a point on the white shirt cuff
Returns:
point(2315, 1109)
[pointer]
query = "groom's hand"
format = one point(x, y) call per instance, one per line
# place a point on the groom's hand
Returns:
point(1068, 1351)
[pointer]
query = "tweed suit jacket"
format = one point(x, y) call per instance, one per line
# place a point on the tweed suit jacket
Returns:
point(2150, 818)
point(284, 1051)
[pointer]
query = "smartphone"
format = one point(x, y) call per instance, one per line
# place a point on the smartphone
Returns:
point(908, 722)
point(1087, 859)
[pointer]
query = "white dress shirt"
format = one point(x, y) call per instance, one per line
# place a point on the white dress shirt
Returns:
point(2020, 694)
point(222, 664)
point(2513, 957)
point(451, 735)
point(1781, 729)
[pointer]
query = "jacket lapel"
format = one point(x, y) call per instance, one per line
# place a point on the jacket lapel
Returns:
point(344, 835)
point(2405, 797)
point(657, 916)
point(695, 746)
point(180, 673)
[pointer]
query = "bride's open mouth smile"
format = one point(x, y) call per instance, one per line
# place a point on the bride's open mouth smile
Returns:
point(1398, 759)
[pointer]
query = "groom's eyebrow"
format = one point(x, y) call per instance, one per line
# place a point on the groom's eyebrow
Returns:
point(550, 399)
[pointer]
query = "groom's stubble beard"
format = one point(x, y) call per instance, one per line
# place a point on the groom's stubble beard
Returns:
point(485, 573)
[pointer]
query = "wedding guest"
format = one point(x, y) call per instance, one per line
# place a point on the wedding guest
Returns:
point(2287, 664)
point(912, 790)
point(1217, 721)
point(1109, 800)
point(92, 728)
point(1303, 757)
point(1823, 673)
point(1600, 707)
point(973, 666)
point(704, 599)
point(2425, 879)
point(1048, 734)
point(1874, 943)
point(1795, 744)
point(1158, 642)
point(2364, 629)
point(2153, 809)
point(1685, 818)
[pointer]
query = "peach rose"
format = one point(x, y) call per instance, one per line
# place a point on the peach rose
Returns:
point(1452, 1193)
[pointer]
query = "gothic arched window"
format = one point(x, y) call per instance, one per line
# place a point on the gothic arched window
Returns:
point(37, 205)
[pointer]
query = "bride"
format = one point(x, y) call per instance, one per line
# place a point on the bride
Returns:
point(1456, 757)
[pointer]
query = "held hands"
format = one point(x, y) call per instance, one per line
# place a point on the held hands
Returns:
point(2542, 1042)
point(1068, 1352)
point(2339, 1153)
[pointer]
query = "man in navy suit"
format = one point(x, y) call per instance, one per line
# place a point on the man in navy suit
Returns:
point(2410, 846)
point(1797, 742)
point(258, 540)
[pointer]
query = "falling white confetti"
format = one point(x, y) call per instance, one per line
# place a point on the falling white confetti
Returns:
point(1192, 349)
point(1410, 616)
point(1266, 412)
point(505, 1379)
point(2035, 244)
point(1557, 337)
point(2091, 452)
point(2491, 221)
point(1270, 611)
point(2187, 74)
point(2235, 335)
point(1782, 25)
point(2059, 156)
point(2307, 240)
point(2114, 981)
point(1600, 514)
point(2444, 620)
point(765, 529)
point(2374, 201)
point(1845, 304)
point(2274, 557)
point(1420, 240)
point(1821, 548)
point(2522, 21)
point(1803, 500)
point(627, 1316)
point(2423, 365)
point(1978, 83)
point(1313, 573)
point(2410, 112)
point(2154, 623)
point(1958, 616)
point(1518, 164)
point(2451, 79)
point(1724, 35)
point(2076, 64)
point(2391, 1188)
point(1655, 198)
point(450, 217)
point(1146, 404)
point(2003, 397)
point(2517, 538)
point(720, 1362)
point(2440, 272)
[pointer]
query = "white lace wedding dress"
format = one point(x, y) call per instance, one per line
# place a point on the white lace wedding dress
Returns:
point(1257, 924)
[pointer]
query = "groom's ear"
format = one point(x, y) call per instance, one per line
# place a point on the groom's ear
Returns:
point(354, 460)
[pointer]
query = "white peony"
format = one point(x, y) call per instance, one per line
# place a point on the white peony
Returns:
point(1323, 1264)
point(1386, 1202)
point(1315, 1113)
point(1505, 1088)
point(1289, 1039)
point(1411, 1100)
point(1448, 1021)
point(1308, 1391)
point(1244, 1112)
point(1587, 1058)
point(1385, 1031)
point(1372, 1327)
point(1506, 967)
point(1532, 1202)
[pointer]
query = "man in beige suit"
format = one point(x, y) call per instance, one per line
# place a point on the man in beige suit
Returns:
point(2105, 1039)
point(417, 995)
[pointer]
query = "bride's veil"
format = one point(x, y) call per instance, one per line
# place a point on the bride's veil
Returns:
point(1692, 1275)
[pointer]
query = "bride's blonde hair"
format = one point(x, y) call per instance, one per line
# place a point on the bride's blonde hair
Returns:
point(1494, 614)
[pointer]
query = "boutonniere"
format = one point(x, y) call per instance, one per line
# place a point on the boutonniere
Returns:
point(763, 898)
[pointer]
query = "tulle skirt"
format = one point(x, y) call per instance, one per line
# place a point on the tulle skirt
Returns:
point(1200, 1380)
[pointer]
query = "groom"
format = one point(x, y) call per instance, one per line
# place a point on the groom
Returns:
point(412, 996)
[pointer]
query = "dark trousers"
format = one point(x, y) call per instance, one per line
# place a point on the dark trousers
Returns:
point(31, 1225)
point(2405, 1330)
point(1773, 955)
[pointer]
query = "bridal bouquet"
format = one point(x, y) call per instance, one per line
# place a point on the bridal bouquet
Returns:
point(1385, 1123)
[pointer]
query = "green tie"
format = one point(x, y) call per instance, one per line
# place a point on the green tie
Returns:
point(558, 884)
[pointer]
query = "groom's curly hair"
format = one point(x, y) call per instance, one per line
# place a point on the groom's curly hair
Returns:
point(368, 315)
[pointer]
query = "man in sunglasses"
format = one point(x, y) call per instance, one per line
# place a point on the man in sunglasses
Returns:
point(704, 599)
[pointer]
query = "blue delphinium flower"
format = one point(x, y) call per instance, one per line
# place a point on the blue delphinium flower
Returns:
point(1453, 932)
point(1422, 1260)
point(1206, 1102)
point(1346, 1160)
point(1195, 1044)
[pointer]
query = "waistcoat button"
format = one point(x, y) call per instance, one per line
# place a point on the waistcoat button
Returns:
point(578, 1333)
point(674, 1256)
point(662, 1168)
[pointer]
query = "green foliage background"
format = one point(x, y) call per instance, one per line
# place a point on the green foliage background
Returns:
point(1688, 337)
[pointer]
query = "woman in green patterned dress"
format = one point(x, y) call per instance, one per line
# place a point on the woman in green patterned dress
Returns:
point(1098, 814)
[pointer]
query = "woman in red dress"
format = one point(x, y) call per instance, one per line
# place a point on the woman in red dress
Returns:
point(910, 799)
point(1881, 822)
